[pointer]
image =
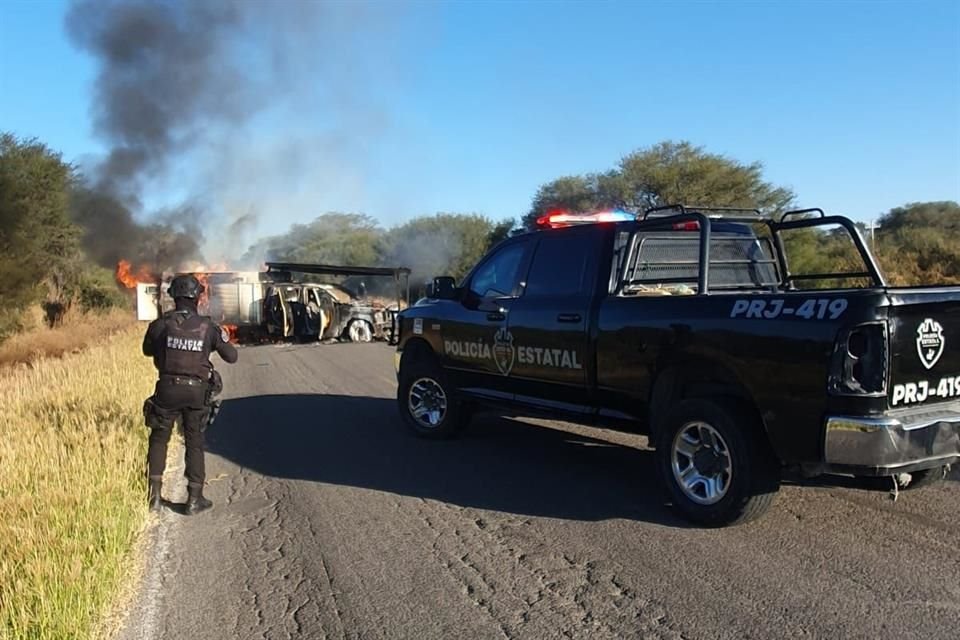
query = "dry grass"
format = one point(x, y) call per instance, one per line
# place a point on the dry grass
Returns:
point(77, 332)
point(71, 486)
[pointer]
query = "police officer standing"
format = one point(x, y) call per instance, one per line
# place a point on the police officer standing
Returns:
point(180, 344)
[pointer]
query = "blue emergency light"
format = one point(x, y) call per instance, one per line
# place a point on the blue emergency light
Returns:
point(555, 219)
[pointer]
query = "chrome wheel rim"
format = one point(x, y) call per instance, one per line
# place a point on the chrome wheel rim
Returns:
point(701, 463)
point(427, 402)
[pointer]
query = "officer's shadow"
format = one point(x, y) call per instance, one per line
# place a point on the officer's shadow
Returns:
point(176, 507)
point(499, 463)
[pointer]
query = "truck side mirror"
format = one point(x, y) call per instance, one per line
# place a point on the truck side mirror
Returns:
point(442, 288)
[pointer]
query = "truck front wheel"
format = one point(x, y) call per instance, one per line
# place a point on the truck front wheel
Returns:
point(360, 331)
point(427, 401)
point(716, 466)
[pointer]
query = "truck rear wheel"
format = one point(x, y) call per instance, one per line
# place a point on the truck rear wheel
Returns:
point(427, 401)
point(716, 466)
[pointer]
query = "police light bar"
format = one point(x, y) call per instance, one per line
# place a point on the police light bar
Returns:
point(556, 219)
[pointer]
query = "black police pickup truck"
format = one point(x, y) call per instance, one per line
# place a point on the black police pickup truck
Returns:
point(693, 324)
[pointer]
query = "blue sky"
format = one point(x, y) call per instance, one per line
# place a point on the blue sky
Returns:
point(473, 105)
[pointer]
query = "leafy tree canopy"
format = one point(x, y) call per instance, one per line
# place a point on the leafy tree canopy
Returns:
point(38, 242)
point(666, 173)
point(919, 243)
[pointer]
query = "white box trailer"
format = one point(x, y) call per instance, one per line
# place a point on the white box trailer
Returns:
point(235, 301)
point(231, 297)
point(148, 301)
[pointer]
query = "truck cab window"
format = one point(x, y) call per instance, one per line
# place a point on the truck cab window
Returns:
point(559, 265)
point(497, 277)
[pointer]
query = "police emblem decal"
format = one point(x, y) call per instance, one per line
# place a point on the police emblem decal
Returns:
point(930, 342)
point(503, 351)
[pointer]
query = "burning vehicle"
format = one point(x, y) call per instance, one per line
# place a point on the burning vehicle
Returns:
point(323, 311)
point(274, 305)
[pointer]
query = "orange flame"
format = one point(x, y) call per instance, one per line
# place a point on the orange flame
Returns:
point(205, 296)
point(202, 273)
point(128, 278)
point(232, 330)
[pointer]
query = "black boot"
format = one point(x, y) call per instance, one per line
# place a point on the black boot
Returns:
point(195, 501)
point(153, 495)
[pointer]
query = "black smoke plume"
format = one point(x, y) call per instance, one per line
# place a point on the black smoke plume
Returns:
point(178, 82)
point(162, 69)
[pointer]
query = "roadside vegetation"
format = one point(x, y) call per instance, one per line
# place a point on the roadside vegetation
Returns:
point(71, 486)
point(43, 263)
point(77, 331)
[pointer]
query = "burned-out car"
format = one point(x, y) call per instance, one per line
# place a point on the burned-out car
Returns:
point(295, 310)
point(324, 311)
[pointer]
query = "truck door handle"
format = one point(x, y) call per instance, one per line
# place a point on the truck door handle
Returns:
point(496, 316)
point(569, 317)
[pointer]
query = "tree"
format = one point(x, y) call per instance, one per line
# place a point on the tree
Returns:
point(919, 243)
point(38, 242)
point(666, 173)
point(939, 215)
point(570, 193)
point(670, 173)
point(822, 250)
point(441, 244)
point(501, 231)
point(349, 239)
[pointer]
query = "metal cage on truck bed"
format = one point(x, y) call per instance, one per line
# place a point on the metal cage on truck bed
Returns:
point(721, 257)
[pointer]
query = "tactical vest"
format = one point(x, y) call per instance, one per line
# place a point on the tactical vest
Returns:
point(185, 345)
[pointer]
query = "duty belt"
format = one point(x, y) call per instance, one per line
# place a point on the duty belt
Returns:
point(184, 380)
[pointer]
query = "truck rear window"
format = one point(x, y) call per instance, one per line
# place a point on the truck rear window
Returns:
point(670, 264)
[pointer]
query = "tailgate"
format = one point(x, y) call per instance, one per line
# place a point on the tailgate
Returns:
point(925, 341)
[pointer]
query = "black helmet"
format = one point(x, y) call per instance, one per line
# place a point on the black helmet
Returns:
point(185, 286)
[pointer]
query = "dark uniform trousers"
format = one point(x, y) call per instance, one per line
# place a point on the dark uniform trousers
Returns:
point(184, 403)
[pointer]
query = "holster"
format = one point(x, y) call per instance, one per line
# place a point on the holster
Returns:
point(211, 400)
point(216, 383)
point(157, 417)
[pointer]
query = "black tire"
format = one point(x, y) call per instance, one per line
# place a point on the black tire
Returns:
point(743, 471)
point(926, 478)
point(425, 374)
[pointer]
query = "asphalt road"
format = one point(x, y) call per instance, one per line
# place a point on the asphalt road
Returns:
point(330, 521)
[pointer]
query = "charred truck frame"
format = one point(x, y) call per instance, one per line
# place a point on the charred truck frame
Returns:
point(324, 311)
point(273, 304)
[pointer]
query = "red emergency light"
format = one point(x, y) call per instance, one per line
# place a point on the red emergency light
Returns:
point(556, 218)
